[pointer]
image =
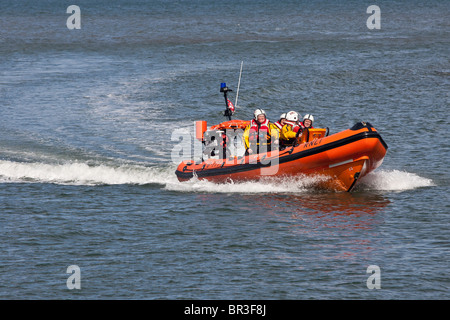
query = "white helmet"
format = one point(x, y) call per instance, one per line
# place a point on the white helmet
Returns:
point(292, 116)
point(283, 116)
point(309, 116)
point(258, 112)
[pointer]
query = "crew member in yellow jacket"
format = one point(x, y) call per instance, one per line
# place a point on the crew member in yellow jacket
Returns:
point(260, 135)
point(290, 129)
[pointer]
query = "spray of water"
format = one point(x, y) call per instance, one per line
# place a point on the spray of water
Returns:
point(76, 173)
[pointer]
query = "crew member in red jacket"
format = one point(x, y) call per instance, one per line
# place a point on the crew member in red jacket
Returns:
point(260, 135)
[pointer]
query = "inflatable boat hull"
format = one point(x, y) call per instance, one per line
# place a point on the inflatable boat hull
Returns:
point(340, 159)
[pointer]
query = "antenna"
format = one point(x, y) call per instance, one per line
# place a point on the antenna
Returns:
point(239, 84)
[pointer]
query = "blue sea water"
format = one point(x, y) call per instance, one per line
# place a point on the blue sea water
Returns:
point(87, 174)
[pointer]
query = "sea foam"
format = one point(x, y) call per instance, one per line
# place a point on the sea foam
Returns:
point(76, 173)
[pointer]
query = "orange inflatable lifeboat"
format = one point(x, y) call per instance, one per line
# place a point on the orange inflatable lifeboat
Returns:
point(341, 158)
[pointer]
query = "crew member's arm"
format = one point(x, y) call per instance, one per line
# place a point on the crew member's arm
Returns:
point(287, 133)
point(245, 137)
point(274, 134)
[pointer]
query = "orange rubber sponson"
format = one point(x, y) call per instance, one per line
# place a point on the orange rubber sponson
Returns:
point(232, 124)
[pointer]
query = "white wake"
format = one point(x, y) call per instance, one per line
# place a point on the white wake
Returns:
point(78, 173)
